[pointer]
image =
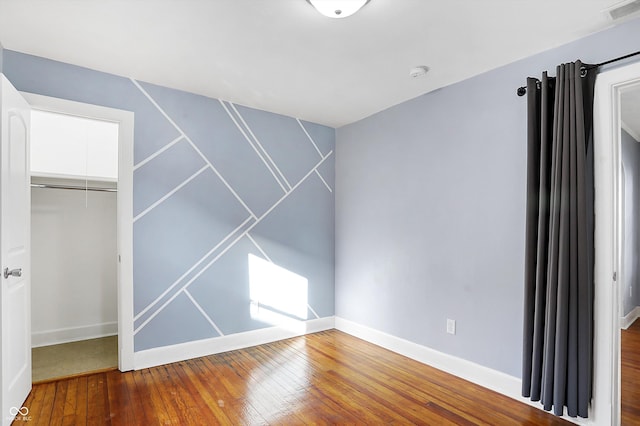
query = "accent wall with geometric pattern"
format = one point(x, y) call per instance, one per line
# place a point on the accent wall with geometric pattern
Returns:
point(223, 196)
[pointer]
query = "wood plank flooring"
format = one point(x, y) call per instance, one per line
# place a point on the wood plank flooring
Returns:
point(630, 375)
point(322, 378)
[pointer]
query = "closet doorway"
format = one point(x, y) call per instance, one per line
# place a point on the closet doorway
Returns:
point(81, 297)
point(629, 270)
point(74, 180)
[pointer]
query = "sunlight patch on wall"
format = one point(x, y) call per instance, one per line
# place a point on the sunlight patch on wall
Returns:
point(278, 296)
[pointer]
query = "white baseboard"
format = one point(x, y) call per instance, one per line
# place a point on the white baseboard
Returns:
point(486, 377)
point(73, 334)
point(627, 320)
point(180, 352)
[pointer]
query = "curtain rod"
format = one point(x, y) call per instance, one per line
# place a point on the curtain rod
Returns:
point(73, 187)
point(523, 89)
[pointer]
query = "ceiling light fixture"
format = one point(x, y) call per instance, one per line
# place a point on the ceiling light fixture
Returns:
point(338, 8)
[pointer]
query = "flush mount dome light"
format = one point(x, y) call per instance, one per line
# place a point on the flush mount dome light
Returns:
point(338, 8)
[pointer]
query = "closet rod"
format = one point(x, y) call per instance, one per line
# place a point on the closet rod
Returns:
point(76, 188)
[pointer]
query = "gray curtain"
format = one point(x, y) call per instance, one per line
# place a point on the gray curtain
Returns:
point(558, 311)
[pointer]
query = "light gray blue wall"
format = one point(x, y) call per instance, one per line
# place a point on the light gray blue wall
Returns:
point(205, 198)
point(631, 262)
point(1, 57)
point(430, 210)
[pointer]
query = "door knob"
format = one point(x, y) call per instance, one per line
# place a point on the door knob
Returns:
point(12, 273)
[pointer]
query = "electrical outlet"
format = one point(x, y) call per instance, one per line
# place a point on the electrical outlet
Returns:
point(451, 326)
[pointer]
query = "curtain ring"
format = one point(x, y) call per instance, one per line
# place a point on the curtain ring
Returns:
point(583, 71)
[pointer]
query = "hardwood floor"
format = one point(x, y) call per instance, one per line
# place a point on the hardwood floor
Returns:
point(630, 374)
point(323, 378)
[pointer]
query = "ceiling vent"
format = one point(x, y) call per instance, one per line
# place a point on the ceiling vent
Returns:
point(624, 9)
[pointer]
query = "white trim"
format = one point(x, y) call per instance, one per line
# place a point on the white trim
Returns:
point(73, 177)
point(622, 279)
point(125, 119)
point(73, 334)
point(630, 318)
point(483, 376)
point(608, 215)
point(183, 351)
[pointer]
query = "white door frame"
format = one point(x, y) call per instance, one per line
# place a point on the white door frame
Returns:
point(608, 239)
point(125, 119)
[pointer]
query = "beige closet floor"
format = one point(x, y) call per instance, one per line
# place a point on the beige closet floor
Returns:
point(69, 359)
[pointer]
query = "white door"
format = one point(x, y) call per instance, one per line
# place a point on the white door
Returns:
point(15, 291)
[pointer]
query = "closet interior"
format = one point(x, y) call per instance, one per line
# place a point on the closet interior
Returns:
point(74, 172)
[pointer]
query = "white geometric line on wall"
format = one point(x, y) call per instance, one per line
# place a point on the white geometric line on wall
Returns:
point(170, 193)
point(188, 283)
point(255, 138)
point(158, 152)
point(227, 248)
point(193, 145)
point(191, 269)
point(224, 181)
point(270, 165)
point(266, 256)
point(324, 181)
point(199, 308)
point(293, 188)
point(191, 281)
point(317, 149)
point(309, 136)
point(315, 314)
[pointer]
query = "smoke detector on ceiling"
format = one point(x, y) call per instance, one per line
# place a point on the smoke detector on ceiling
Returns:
point(623, 9)
point(418, 71)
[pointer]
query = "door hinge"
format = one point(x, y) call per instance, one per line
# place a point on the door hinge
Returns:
point(615, 276)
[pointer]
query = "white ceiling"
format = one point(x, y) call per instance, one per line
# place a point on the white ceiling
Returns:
point(282, 56)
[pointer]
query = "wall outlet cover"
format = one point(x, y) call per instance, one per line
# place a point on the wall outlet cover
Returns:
point(451, 326)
